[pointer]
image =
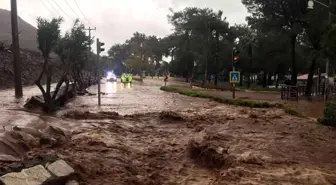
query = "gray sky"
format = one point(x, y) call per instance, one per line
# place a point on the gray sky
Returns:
point(117, 20)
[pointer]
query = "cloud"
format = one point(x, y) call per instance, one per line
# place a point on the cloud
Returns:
point(117, 20)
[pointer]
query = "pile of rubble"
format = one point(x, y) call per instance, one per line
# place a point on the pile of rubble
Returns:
point(58, 172)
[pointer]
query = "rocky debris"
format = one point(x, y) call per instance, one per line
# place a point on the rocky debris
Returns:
point(210, 153)
point(89, 115)
point(171, 116)
point(58, 172)
point(14, 144)
point(31, 176)
point(60, 168)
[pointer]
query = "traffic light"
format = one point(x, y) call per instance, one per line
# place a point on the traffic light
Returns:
point(99, 46)
point(235, 56)
point(235, 59)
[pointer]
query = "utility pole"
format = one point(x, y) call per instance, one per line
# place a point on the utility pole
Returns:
point(99, 49)
point(89, 51)
point(16, 50)
point(90, 29)
point(233, 69)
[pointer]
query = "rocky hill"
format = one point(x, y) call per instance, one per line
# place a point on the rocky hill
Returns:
point(27, 32)
point(30, 56)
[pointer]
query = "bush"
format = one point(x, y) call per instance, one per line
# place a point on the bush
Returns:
point(238, 102)
point(292, 112)
point(329, 115)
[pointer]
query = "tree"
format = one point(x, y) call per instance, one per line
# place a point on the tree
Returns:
point(78, 47)
point(315, 26)
point(197, 37)
point(73, 49)
point(48, 35)
point(281, 15)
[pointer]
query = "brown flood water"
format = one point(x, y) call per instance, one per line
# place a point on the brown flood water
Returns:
point(164, 138)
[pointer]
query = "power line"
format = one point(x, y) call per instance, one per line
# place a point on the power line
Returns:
point(61, 9)
point(52, 6)
point(71, 8)
point(82, 12)
point(47, 8)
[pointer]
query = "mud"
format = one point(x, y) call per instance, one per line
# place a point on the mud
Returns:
point(153, 148)
point(91, 116)
point(172, 140)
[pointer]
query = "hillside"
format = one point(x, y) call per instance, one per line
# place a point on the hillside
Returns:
point(30, 56)
point(27, 32)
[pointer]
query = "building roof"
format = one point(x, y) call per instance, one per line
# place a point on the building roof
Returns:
point(305, 76)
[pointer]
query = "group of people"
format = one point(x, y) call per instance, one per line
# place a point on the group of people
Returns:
point(126, 78)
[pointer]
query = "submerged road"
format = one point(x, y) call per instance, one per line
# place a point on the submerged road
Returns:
point(136, 98)
point(125, 99)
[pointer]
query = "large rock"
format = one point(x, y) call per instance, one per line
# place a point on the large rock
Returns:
point(31, 176)
point(60, 168)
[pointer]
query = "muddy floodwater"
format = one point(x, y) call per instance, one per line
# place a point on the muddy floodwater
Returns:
point(143, 136)
point(136, 98)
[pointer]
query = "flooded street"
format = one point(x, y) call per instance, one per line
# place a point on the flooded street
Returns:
point(143, 136)
point(136, 98)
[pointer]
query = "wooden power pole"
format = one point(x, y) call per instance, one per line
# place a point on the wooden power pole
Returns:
point(16, 50)
point(90, 29)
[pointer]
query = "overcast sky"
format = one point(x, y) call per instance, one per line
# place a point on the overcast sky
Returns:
point(117, 20)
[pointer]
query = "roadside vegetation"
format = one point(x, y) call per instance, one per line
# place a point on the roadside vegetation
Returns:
point(238, 102)
point(72, 50)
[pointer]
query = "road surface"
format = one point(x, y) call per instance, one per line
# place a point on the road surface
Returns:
point(136, 98)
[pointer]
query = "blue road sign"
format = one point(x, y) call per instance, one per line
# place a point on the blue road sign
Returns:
point(234, 77)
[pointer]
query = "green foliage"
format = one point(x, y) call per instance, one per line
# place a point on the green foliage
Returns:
point(238, 102)
point(329, 117)
point(292, 112)
point(329, 41)
point(73, 49)
point(48, 34)
point(137, 54)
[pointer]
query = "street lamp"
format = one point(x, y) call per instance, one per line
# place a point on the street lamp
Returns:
point(310, 4)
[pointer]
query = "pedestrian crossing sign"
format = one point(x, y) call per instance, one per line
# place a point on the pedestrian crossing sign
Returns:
point(234, 77)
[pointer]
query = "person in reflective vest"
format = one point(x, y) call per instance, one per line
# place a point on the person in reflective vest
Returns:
point(130, 77)
point(123, 78)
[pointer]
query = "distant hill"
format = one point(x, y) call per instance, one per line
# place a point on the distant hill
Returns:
point(32, 60)
point(27, 31)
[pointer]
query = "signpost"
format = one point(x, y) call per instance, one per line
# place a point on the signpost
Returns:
point(234, 75)
point(234, 78)
point(165, 79)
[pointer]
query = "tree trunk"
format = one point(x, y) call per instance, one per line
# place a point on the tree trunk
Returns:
point(250, 61)
point(294, 72)
point(216, 80)
point(309, 85)
point(58, 86)
point(277, 81)
point(264, 79)
point(49, 100)
point(269, 79)
point(38, 81)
